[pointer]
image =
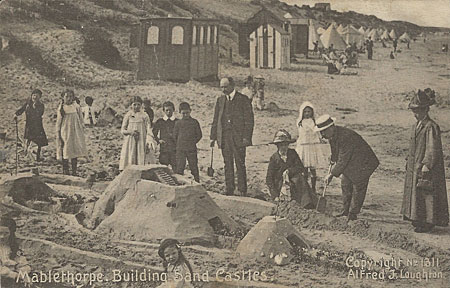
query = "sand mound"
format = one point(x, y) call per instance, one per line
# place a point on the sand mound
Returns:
point(29, 191)
point(272, 240)
point(149, 203)
point(109, 116)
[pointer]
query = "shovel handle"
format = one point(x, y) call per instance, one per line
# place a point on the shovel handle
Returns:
point(212, 156)
point(326, 182)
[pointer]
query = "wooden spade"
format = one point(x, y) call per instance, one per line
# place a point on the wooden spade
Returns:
point(210, 171)
point(322, 201)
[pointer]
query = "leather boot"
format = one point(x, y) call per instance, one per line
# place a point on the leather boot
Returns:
point(74, 163)
point(65, 164)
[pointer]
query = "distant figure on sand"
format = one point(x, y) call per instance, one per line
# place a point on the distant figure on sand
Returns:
point(354, 160)
point(70, 133)
point(232, 128)
point(394, 43)
point(369, 48)
point(34, 129)
point(90, 113)
point(286, 168)
point(187, 134)
point(425, 193)
point(308, 142)
point(259, 87)
point(249, 89)
point(177, 268)
point(392, 56)
point(138, 140)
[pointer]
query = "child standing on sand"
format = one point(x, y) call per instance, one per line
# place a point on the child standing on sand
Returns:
point(163, 133)
point(90, 113)
point(187, 134)
point(308, 143)
point(176, 266)
point(70, 131)
point(138, 139)
point(34, 129)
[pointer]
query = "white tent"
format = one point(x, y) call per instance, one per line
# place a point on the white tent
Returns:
point(331, 36)
point(362, 31)
point(393, 35)
point(340, 29)
point(313, 37)
point(405, 37)
point(366, 34)
point(320, 30)
point(351, 35)
point(385, 35)
point(374, 34)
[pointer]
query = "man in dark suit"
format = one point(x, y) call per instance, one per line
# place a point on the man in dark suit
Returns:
point(232, 128)
point(354, 160)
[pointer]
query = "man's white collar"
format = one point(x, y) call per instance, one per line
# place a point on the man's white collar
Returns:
point(165, 118)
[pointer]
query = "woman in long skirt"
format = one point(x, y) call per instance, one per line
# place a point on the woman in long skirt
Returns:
point(34, 129)
point(70, 131)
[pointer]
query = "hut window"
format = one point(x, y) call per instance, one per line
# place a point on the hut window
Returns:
point(201, 35)
point(177, 35)
point(153, 35)
point(208, 35)
point(216, 34)
point(194, 35)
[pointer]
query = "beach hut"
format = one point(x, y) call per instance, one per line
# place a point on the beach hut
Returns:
point(385, 35)
point(393, 35)
point(178, 49)
point(331, 36)
point(313, 37)
point(351, 35)
point(292, 23)
point(405, 37)
point(270, 47)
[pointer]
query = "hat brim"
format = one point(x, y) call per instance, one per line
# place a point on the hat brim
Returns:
point(284, 141)
point(416, 106)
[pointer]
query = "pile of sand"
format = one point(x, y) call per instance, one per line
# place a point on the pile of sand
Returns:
point(148, 203)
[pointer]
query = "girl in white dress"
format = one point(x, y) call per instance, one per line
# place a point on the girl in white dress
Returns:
point(138, 144)
point(308, 143)
point(70, 131)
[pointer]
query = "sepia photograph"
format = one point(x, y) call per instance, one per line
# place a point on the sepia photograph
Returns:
point(224, 143)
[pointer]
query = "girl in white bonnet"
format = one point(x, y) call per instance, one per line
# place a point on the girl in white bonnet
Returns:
point(308, 143)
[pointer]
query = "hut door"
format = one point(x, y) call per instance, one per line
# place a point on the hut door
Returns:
point(176, 51)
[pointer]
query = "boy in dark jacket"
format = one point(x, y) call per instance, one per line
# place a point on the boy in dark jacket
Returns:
point(187, 134)
point(163, 132)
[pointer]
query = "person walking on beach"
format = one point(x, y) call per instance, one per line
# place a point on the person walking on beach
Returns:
point(425, 193)
point(34, 128)
point(232, 129)
point(354, 160)
point(369, 48)
point(70, 131)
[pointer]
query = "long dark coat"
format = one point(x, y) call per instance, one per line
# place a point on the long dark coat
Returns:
point(425, 148)
point(300, 189)
point(34, 129)
point(242, 117)
point(353, 156)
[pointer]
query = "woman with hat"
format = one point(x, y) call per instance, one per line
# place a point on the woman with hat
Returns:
point(425, 193)
point(285, 163)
